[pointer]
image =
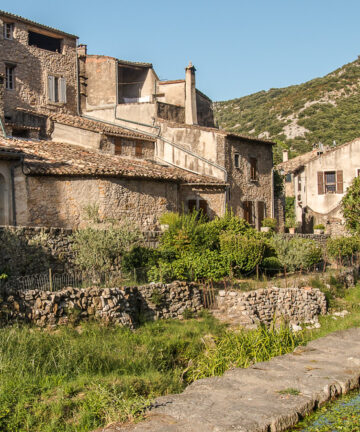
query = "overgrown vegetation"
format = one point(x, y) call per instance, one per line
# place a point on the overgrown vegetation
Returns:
point(351, 206)
point(327, 109)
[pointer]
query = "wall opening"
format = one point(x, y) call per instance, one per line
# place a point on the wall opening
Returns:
point(44, 42)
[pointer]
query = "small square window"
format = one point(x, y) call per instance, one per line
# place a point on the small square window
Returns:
point(10, 77)
point(330, 182)
point(8, 30)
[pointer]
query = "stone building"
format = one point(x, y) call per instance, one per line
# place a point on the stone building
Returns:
point(319, 180)
point(59, 101)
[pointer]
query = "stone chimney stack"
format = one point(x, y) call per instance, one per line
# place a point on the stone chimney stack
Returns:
point(82, 50)
point(285, 155)
point(190, 95)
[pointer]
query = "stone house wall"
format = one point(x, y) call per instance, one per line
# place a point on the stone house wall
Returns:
point(128, 306)
point(295, 305)
point(32, 67)
point(61, 201)
point(242, 187)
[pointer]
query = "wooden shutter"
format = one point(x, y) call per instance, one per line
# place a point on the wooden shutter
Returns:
point(62, 90)
point(51, 88)
point(117, 145)
point(339, 182)
point(253, 168)
point(138, 149)
point(260, 212)
point(321, 189)
point(247, 205)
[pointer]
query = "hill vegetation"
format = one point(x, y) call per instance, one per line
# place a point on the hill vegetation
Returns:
point(325, 110)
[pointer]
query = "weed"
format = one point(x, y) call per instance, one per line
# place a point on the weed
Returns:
point(289, 391)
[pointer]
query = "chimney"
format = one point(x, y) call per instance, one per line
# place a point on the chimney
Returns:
point(190, 95)
point(285, 155)
point(82, 50)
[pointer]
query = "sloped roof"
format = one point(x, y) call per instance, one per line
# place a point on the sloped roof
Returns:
point(297, 162)
point(42, 26)
point(215, 130)
point(58, 159)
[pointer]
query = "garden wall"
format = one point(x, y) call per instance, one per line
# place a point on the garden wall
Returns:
point(294, 305)
point(126, 306)
point(31, 250)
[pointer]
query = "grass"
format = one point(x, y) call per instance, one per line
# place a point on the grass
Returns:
point(342, 415)
point(78, 379)
point(290, 391)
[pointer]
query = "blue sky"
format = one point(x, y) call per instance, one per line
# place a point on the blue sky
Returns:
point(238, 46)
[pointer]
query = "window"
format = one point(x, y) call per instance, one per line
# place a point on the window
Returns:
point(299, 184)
point(56, 89)
point(44, 42)
point(138, 149)
point(8, 30)
point(197, 204)
point(261, 213)
point(330, 182)
point(117, 145)
point(10, 77)
point(237, 160)
point(253, 169)
point(288, 178)
point(358, 172)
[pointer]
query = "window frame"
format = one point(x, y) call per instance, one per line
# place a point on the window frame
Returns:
point(8, 28)
point(237, 160)
point(253, 169)
point(56, 89)
point(330, 184)
point(10, 77)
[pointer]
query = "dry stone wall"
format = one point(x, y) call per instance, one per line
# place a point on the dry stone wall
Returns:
point(128, 306)
point(295, 305)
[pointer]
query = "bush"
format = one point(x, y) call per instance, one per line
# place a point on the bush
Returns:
point(102, 248)
point(319, 226)
point(342, 249)
point(351, 206)
point(269, 222)
point(296, 253)
point(271, 265)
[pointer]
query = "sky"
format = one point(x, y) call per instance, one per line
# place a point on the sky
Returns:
point(238, 47)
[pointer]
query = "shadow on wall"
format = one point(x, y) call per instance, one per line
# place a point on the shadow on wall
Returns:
point(20, 256)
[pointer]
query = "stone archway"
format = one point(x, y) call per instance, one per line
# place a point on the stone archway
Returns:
point(3, 198)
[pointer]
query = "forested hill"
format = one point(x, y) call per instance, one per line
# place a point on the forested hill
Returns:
point(323, 110)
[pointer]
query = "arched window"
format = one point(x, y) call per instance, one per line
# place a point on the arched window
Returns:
point(2, 200)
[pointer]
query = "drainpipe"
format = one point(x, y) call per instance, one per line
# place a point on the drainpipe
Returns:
point(12, 174)
point(77, 81)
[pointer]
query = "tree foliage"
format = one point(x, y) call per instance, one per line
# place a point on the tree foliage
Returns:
point(351, 206)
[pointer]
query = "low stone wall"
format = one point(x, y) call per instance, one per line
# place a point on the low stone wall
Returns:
point(30, 250)
point(294, 305)
point(126, 306)
point(319, 238)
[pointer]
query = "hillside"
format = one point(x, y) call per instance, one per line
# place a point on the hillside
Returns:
point(323, 110)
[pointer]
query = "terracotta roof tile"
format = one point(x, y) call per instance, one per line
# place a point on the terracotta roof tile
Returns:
point(52, 158)
point(27, 21)
point(297, 162)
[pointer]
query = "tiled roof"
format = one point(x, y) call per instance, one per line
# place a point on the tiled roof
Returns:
point(171, 81)
point(124, 62)
point(297, 162)
point(52, 158)
point(215, 130)
point(97, 126)
point(27, 21)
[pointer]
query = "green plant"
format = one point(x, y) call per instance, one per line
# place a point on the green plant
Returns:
point(269, 222)
point(351, 206)
point(319, 226)
point(157, 297)
point(289, 391)
point(271, 265)
point(343, 249)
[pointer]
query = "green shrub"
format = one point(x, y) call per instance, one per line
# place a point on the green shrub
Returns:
point(296, 253)
point(271, 265)
point(100, 249)
point(242, 253)
point(342, 249)
point(269, 222)
point(351, 206)
point(319, 226)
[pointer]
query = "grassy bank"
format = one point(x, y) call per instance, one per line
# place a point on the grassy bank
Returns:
point(77, 379)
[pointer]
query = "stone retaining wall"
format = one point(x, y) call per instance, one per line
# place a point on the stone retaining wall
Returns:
point(30, 250)
point(295, 305)
point(319, 238)
point(127, 306)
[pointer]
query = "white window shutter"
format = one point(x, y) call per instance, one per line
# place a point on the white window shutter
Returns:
point(62, 92)
point(51, 88)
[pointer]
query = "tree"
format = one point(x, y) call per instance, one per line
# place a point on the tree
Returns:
point(351, 206)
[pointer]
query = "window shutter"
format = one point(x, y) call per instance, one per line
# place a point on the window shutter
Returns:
point(62, 85)
point(320, 176)
point(203, 207)
point(138, 149)
point(191, 205)
point(339, 182)
point(51, 88)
